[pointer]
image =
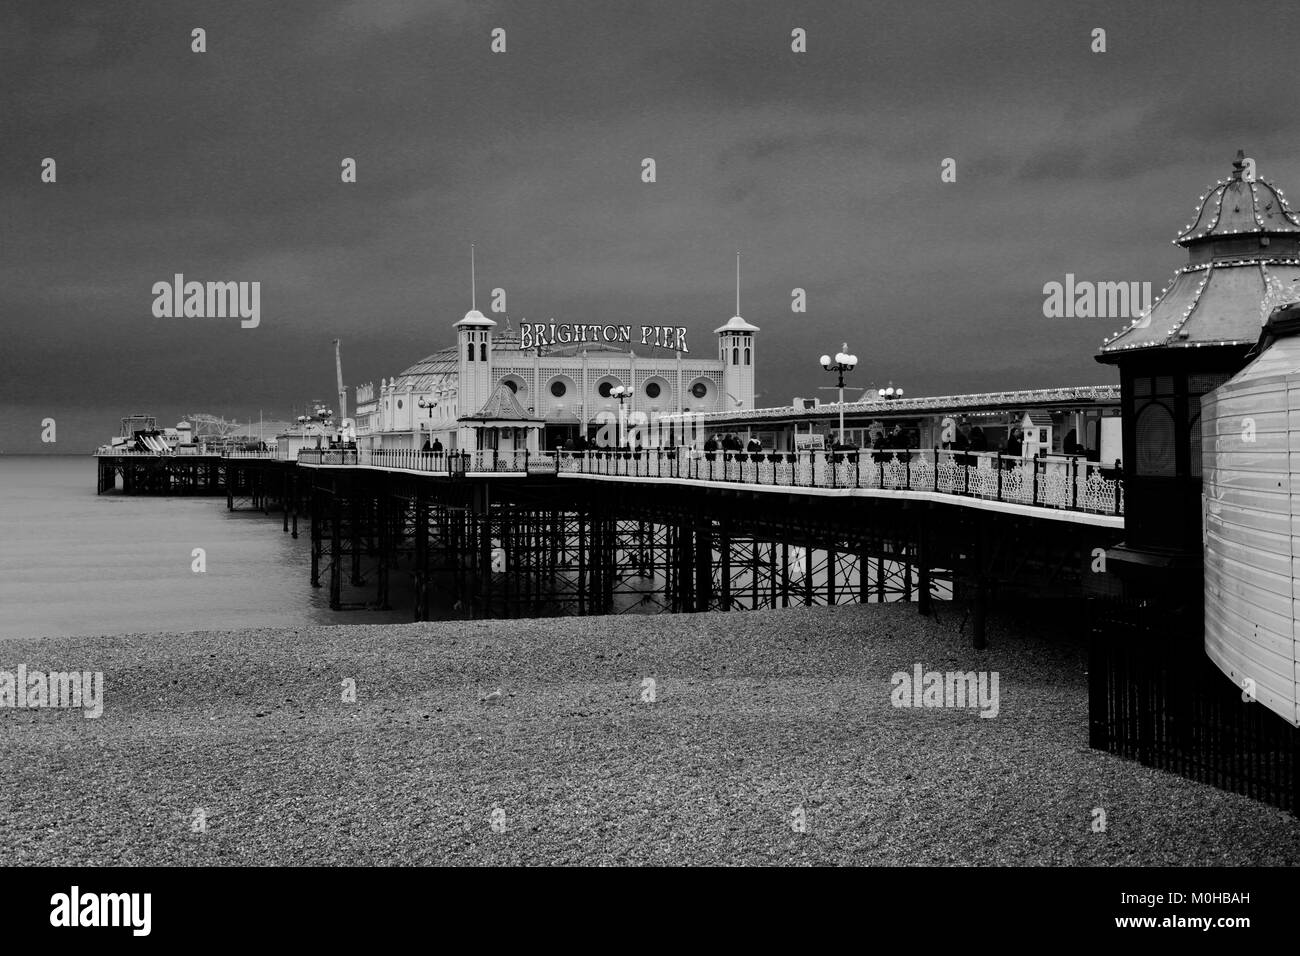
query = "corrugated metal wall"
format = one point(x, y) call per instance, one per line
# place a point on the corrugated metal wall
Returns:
point(1251, 448)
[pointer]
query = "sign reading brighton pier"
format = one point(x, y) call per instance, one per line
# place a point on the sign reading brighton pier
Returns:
point(537, 334)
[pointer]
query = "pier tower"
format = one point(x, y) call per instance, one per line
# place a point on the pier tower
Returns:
point(736, 350)
point(474, 344)
point(474, 338)
point(1242, 244)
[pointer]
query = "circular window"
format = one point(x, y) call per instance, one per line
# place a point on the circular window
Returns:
point(605, 389)
point(513, 386)
point(558, 389)
point(699, 389)
point(652, 389)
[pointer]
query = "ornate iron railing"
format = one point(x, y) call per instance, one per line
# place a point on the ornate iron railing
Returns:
point(1065, 482)
point(1068, 482)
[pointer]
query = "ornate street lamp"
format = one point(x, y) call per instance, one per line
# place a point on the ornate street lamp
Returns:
point(844, 362)
point(622, 393)
point(889, 393)
point(429, 405)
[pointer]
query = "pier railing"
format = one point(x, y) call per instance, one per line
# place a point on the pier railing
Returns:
point(1068, 482)
point(181, 455)
point(484, 461)
point(1065, 482)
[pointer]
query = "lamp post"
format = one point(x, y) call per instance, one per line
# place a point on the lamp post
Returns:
point(430, 406)
point(322, 417)
point(844, 362)
point(889, 393)
point(622, 393)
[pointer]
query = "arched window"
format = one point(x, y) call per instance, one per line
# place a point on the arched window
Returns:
point(747, 355)
point(735, 356)
point(469, 352)
point(482, 351)
point(1155, 440)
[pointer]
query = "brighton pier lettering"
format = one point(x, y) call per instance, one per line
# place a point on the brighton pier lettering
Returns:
point(537, 334)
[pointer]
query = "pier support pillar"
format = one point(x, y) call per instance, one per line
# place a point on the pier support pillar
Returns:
point(979, 615)
point(356, 530)
point(421, 530)
point(703, 555)
point(724, 553)
point(923, 605)
point(336, 549)
point(316, 542)
point(385, 520)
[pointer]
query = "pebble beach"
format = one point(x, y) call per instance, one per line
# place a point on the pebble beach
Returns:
point(708, 739)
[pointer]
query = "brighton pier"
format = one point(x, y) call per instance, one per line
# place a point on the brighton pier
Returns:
point(1162, 510)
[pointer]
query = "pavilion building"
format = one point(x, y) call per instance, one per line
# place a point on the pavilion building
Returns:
point(494, 389)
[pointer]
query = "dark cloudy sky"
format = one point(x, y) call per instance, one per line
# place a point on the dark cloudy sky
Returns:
point(821, 168)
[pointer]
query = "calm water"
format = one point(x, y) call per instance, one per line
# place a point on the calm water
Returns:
point(73, 562)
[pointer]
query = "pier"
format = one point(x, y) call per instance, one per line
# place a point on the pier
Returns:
point(523, 534)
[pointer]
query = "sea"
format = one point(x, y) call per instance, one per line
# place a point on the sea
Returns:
point(76, 563)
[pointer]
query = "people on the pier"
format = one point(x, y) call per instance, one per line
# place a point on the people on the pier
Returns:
point(710, 447)
point(1015, 443)
point(426, 447)
point(436, 448)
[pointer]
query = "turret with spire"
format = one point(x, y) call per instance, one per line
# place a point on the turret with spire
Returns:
point(474, 339)
point(736, 350)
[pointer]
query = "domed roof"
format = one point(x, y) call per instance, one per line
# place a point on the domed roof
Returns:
point(735, 324)
point(1217, 303)
point(425, 373)
point(1221, 296)
point(1237, 206)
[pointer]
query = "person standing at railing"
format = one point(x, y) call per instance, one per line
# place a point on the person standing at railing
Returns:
point(436, 448)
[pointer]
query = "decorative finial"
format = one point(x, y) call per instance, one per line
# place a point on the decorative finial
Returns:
point(473, 290)
point(1239, 164)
